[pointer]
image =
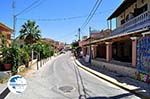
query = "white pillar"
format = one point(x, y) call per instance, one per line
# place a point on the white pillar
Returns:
point(134, 50)
point(108, 51)
point(32, 55)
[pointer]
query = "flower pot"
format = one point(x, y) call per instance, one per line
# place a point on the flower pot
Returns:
point(7, 66)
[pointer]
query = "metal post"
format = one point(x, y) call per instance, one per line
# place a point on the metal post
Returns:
point(108, 24)
point(111, 24)
point(116, 23)
point(79, 33)
point(90, 56)
point(32, 54)
point(37, 62)
point(40, 60)
point(14, 26)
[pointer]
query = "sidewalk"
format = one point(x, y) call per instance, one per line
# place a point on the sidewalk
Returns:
point(4, 75)
point(139, 88)
point(36, 67)
point(32, 69)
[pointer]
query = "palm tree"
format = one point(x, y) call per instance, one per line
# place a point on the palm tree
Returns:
point(30, 32)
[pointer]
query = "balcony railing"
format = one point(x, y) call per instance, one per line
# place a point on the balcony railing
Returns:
point(137, 23)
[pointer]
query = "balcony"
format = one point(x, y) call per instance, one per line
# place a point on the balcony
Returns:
point(139, 22)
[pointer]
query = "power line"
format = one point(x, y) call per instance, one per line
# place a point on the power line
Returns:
point(61, 19)
point(55, 19)
point(92, 13)
point(65, 18)
point(21, 12)
point(91, 16)
point(33, 7)
point(27, 8)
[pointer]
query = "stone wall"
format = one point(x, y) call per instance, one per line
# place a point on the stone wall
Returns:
point(123, 70)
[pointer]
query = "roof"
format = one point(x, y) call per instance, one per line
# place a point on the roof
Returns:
point(6, 27)
point(120, 35)
point(100, 34)
point(86, 39)
point(125, 4)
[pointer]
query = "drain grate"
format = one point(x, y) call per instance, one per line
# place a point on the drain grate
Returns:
point(66, 89)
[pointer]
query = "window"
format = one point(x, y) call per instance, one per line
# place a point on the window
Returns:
point(122, 21)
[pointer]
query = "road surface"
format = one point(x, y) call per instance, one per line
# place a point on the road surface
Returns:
point(60, 78)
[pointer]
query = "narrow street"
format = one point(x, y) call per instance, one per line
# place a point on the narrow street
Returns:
point(61, 79)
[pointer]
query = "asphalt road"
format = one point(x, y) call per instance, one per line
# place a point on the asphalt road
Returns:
point(60, 78)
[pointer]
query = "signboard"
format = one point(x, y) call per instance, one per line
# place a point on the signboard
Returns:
point(143, 55)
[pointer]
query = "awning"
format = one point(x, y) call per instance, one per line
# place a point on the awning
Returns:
point(122, 8)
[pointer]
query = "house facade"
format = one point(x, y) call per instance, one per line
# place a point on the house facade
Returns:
point(132, 19)
point(5, 30)
point(90, 49)
point(126, 49)
point(132, 31)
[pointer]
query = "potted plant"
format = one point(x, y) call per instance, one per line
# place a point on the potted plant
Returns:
point(7, 58)
point(7, 62)
point(11, 58)
point(7, 66)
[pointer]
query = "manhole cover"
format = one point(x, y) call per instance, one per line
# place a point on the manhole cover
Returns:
point(66, 89)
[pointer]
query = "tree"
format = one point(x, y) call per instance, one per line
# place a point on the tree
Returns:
point(75, 45)
point(76, 48)
point(43, 49)
point(30, 32)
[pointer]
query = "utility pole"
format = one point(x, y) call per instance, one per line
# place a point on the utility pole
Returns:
point(14, 19)
point(14, 26)
point(79, 30)
point(90, 56)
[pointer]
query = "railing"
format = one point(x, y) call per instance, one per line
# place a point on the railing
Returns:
point(139, 22)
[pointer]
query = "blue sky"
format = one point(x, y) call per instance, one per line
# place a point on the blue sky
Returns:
point(64, 30)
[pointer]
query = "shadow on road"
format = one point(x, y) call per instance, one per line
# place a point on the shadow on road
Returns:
point(113, 97)
point(120, 78)
point(4, 93)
